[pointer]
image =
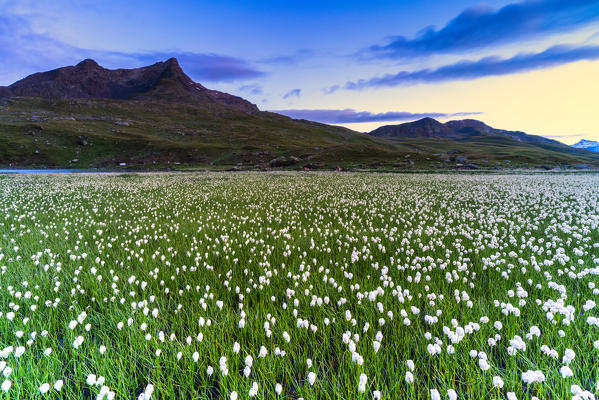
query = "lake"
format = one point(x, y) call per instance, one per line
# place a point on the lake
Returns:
point(49, 171)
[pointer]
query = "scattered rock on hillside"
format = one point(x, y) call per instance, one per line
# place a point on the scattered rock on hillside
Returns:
point(314, 165)
point(283, 161)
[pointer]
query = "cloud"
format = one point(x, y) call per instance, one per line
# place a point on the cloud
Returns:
point(573, 135)
point(22, 51)
point(482, 26)
point(251, 89)
point(349, 116)
point(288, 59)
point(206, 66)
point(292, 93)
point(488, 66)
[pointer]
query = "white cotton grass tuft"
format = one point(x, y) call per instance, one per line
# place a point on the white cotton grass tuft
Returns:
point(566, 372)
point(44, 388)
point(311, 378)
point(497, 382)
point(531, 377)
point(362, 383)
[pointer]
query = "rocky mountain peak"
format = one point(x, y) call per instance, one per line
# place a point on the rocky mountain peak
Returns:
point(88, 63)
point(163, 81)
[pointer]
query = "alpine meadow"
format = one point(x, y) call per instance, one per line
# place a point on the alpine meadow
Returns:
point(299, 200)
point(290, 285)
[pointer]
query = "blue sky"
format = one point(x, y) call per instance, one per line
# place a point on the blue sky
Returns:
point(357, 63)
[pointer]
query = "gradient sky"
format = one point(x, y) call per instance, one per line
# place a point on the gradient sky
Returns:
point(529, 65)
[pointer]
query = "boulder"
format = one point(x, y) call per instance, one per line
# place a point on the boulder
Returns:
point(283, 161)
point(314, 166)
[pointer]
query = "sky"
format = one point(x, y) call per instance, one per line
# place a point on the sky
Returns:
point(529, 65)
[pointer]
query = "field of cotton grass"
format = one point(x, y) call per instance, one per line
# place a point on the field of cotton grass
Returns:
point(289, 285)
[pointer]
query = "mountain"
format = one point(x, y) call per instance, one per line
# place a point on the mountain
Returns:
point(475, 140)
point(423, 128)
point(458, 129)
point(164, 81)
point(587, 145)
point(89, 116)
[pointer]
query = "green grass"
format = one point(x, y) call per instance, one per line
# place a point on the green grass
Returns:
point(42, 132)
point(161, 132)
point(287, 242)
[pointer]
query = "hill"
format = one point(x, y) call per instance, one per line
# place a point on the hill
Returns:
point(89, 116)
point(471, 140)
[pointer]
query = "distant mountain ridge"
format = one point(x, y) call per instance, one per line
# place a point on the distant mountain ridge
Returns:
point(473, 139)
point(162, 81)
point(455, 130)
point(587, 145)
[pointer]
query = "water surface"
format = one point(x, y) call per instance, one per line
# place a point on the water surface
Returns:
point(48, 171)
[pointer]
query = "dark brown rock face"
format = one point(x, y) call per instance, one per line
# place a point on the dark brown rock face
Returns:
point(163, 81)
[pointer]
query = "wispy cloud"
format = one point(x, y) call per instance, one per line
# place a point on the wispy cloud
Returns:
point(292, 93)
point(252, 89)
point(291, 58)
point(348, 116)
point(488, 66)
point(482, 26)
point(573, 135)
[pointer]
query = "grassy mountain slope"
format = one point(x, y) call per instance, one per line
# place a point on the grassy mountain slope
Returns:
point(102, 132)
